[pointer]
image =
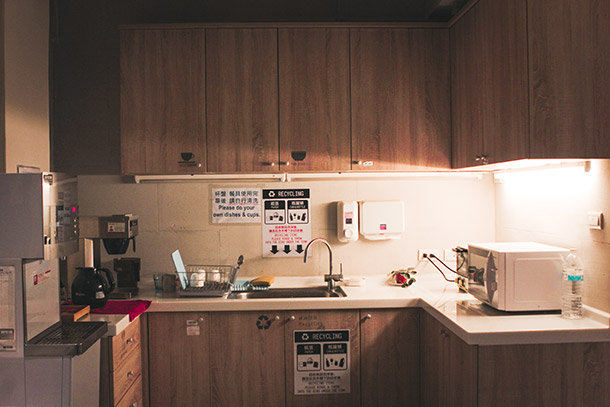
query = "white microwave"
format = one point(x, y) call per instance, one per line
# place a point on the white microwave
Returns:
point(516, 276)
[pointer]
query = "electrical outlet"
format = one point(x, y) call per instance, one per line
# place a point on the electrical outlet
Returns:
point(449, 255)
point(437, 252)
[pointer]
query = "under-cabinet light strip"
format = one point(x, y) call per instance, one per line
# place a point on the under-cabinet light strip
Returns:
point(287, 177)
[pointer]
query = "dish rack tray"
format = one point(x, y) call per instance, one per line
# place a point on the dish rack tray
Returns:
point(219, 279)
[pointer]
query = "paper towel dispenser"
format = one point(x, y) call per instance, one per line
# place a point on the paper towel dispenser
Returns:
point(381, 220)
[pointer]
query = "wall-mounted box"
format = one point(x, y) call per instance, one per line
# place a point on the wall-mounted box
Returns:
point(381, 220)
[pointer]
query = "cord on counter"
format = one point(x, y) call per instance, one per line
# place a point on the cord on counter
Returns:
point(425, 256)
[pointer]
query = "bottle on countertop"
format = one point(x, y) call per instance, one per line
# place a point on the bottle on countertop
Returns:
point(571, 295)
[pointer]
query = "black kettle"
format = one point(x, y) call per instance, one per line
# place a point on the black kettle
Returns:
point(90, 287)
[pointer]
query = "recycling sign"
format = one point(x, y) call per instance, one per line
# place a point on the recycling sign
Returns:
point(321, 362)
point(286, 222)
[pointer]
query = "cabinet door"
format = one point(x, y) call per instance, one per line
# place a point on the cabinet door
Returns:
point(449, 367)
point(178, 345)
point(389, 341)
point(400, 98)
point(162, 101)
point(557, 375)
point(242, 100)
point(247, 359)
point(312, 322)
point(569, 81)
point(314, 98)
point(489, 68)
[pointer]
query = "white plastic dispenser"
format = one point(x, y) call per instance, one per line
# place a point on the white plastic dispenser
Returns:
point(347, 221)
point(381, 220)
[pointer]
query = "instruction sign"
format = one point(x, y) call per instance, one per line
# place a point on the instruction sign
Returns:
point(236, 205)
point(321, 362)
point(286, 224)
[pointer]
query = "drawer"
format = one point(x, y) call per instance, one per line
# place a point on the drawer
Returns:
point(125, 343)
point(126, 375)
point(133, 397)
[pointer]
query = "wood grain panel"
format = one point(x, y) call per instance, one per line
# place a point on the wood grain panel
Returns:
point(400, 98)
point(550, 375)
point(389, 342)
point(126, 375)
point(125, 343)
point(448, 367)
point(467, 93)
point(569, 81)
point(178, 363)
point(490, 96)
point(314, 98)
point(324, 320)
point(162, 100)
point(242, 100)
point(246, 363)
point(133, 397)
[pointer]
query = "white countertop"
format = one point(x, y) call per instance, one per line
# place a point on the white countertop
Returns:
point(468, 318)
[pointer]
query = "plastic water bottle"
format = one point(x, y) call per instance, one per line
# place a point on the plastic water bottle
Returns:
point(573, 276)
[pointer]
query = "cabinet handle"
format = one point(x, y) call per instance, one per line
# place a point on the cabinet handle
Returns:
point(481, 159)
point(130, 374)
point(129, 341)
point(361, 163)
point(134, 404)
point(269, 164)
point(368, 316)
point(292, 318)
point(285, 163)
point(277, 318)
point(200, 319)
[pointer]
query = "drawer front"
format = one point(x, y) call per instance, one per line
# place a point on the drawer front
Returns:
point(126, 375)
point(133, 397)
point(125, 343)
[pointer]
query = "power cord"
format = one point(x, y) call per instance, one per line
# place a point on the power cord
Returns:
point(425, 256)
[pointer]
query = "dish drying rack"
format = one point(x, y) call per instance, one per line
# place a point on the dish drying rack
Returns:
point(219, 279)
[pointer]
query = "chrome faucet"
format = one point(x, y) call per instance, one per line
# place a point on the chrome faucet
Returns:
point(329, 278)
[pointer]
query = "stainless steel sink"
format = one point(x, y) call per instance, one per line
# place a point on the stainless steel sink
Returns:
point(307, 292)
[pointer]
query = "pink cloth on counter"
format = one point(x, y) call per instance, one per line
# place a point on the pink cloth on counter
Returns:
point(132, 307)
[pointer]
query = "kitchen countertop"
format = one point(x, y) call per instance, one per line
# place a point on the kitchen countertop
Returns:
point(472, 321)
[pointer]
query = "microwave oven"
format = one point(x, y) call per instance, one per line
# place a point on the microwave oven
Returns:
point(516, 276)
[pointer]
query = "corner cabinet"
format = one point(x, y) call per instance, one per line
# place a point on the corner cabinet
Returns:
point(490, 84)
point(163, 127)
point(390, 351)
point(448, 367)
point(401, 114)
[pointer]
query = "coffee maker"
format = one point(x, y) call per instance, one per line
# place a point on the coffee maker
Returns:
point(114, 232)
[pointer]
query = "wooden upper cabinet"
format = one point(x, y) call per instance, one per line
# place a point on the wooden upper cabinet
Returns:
point(163, 101)
point(569, 80)
point(242, 100)
point(489, 67)
point(400, 94)
point(314, 99)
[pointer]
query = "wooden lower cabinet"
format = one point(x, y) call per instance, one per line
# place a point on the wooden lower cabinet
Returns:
point(247, 359)
point(121, 367)
point(179, 354)
point(389, 365)
point(319, 320)
point(549, 375)
point(448, 367)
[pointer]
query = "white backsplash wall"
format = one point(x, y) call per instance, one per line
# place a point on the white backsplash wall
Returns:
point(550, 206)
point(439, 213)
